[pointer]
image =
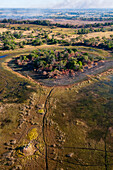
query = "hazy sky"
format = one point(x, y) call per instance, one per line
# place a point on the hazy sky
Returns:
point(56, 4)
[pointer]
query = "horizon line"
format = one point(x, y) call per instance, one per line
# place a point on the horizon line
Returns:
point(50, 8)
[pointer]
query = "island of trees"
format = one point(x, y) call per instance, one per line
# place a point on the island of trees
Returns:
point(54, 63)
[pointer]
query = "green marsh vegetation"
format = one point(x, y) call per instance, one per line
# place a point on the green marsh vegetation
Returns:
point(12, 88)
point(88, 113)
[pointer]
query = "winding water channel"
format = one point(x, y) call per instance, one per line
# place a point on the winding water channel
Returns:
point(3, 56)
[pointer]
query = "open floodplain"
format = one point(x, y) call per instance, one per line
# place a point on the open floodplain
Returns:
point(59, 119)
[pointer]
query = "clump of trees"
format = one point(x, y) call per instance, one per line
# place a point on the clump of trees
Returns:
point(57, 62)
point(7, 45)
point(104, 43)
point(48, 23)
point(91, 29)
point(8, 40)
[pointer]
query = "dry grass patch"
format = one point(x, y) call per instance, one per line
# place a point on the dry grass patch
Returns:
point(3, 30)
point(100, 34)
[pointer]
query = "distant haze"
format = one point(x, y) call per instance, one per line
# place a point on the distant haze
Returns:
point(56, 4)
point(85, 4)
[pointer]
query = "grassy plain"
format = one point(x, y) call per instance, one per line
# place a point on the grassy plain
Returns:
point(100, 34)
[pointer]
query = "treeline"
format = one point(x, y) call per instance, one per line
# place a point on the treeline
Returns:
point(48, 23)
point(96, 19)
point(8, 40)
point(90, 30)
point(104, 43)
point(84, 18)
point(37, 22)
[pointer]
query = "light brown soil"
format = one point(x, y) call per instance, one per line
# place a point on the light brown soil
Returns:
point(73, 22)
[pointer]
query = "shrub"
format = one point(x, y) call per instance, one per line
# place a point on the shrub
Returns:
point(32, 134)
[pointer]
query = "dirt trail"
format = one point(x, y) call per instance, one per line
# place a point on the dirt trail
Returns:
point(44, 128)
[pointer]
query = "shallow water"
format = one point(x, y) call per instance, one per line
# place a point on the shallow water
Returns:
point(3, 56)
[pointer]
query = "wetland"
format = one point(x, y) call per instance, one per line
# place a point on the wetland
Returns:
point(63, 122)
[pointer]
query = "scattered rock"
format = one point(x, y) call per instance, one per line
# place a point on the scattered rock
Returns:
point(32, 123)
point(44, 73)
point(13, 142)
point(28, 150)
point(53, 152)
point(36, 123)
point(28, 114)
point(41, 106)
point(10, 163)
point(14, 133)
point(55, 158)
point(27, 106)
point(19, 167)
point(54, 106)
point(61, 162)
point(14, 168)
point(70, 155)
point(1, 108)
point(51, 122)
point(59, 145)
point(80, 123)
point(89, 81)
point(24, 119)
point(63, 114)
point(10, 148)
point(20, 126)
point(54, 145)
point(10, 159)
point(7, 143)
point(7, 154)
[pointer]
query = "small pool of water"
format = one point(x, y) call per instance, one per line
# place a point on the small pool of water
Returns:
point(3, 56)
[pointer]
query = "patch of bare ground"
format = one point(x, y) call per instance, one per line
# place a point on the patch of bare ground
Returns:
point(73, 22)
point(100, 34)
